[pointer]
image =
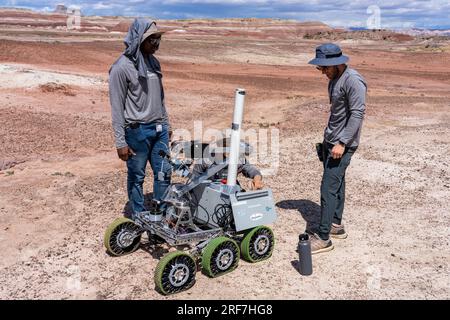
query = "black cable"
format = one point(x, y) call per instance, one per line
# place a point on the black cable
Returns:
point(222, 215)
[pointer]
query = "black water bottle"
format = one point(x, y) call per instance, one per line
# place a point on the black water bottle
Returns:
point(304, 255)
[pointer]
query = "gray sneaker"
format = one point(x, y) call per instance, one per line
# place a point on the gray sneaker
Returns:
point(338, 231)
point(318, 245)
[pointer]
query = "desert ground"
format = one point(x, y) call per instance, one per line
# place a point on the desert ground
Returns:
point(61, 182)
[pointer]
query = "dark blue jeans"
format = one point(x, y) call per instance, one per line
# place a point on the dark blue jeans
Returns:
point(332, 190)
point(146, 141)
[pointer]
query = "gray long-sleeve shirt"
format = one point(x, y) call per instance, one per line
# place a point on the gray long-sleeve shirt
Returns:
point(135, 99)
point(348, 103)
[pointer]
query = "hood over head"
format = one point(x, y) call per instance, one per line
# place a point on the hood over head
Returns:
point(136, 34)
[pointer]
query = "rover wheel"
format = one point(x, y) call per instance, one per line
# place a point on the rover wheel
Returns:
point(257, 244)
point(122, 236)
point(175, 272)
point(220, 256)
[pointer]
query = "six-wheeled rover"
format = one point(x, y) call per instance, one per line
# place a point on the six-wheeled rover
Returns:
point(216, 222)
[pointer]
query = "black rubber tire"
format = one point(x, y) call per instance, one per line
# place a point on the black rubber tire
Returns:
point(211, 261)
point(112, 235)
point(175, 272)
point(250, 242)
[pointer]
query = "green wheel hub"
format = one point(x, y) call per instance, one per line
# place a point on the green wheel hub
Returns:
point(220, 256)
point(257, 244)
point(122, 236)
point(175, 272)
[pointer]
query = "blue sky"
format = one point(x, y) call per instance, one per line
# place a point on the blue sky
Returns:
point(345, 13)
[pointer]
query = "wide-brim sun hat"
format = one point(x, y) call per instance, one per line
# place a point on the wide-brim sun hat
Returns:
point(328, 54)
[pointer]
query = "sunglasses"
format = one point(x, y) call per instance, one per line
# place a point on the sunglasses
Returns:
point(322, 68)
point(154, 41)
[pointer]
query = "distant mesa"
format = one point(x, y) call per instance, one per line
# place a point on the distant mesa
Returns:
point(255, 28)
point(61, 9)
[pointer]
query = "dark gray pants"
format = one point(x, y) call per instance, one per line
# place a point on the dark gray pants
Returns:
point(332, 190)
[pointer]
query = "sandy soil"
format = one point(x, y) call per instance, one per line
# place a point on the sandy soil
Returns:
point(61, 183)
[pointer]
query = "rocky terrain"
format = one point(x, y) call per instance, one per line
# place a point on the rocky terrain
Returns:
point(61, 182)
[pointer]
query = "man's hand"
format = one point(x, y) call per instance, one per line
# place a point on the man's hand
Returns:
point(338, 151)
point(125, 152)
point(257, 183)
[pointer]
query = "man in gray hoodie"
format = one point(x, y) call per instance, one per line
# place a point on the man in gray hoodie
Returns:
point(139, 118)
point(347, 91)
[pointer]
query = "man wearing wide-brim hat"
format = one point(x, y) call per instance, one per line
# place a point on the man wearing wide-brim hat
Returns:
point(139, 117)
point(347, 92)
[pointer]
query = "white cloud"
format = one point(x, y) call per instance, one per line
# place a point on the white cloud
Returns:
point(102, 6)
point(332, 12)
point(223, 2)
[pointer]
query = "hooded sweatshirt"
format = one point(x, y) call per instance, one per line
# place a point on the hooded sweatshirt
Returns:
point(135, 86)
